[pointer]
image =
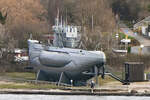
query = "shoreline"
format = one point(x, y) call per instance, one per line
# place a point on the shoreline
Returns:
point(64, 92)
point(14, 85)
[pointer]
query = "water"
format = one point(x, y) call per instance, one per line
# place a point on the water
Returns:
point(54, 97)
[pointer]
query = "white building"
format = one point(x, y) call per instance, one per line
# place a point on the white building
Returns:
point(142, 27)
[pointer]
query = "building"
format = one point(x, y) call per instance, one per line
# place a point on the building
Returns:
point(134, 71)
point(20, 55)
point(143, 27)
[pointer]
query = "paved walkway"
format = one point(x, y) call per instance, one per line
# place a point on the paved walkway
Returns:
point(143, 41)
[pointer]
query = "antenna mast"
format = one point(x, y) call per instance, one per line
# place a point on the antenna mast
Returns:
point(57, 19)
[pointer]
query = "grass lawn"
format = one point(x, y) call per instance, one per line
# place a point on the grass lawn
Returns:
point(23, 75)
point(108, 79)
point(32, 76)
point(134, 42)
point(24, 85)
point(27, 86)
point(122, 35)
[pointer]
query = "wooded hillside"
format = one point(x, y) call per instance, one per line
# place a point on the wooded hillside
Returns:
point(37, 16)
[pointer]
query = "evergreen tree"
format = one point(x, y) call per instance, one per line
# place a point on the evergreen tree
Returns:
point(3, 18)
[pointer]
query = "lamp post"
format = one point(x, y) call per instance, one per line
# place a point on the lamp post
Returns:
point(71, 81)
point(117, 36)
point(140, 49)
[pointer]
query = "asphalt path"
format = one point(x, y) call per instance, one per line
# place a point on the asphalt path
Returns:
point(142, 40)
